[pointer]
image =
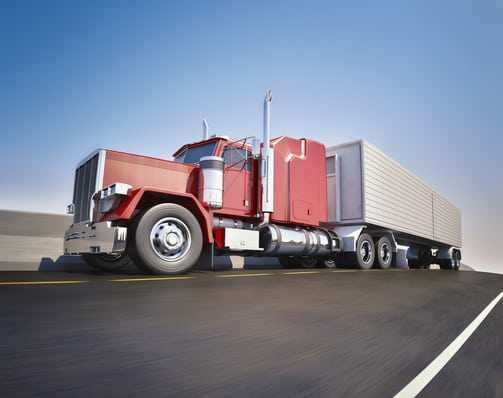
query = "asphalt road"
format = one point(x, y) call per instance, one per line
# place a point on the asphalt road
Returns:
point(252, 333)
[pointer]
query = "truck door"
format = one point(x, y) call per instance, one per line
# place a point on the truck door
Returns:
point(237, 183)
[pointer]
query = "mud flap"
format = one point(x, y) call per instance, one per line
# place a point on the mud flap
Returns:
point(205, 261)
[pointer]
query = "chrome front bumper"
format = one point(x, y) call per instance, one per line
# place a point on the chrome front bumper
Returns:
point(100, 237)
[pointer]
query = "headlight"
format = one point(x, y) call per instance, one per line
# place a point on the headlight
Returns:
point(110, 196)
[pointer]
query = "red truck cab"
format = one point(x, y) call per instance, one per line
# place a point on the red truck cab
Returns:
point(233, 195)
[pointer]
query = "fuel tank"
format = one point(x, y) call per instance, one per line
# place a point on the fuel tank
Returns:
point(279, 240)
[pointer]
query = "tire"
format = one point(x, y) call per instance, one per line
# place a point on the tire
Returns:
point(384, 253)
point(327, 263)
point(308, 262)
point(289, 262)
point(365, 251)
point(425, 258)
point(453, 263)
point(106, 261)
point(167, 239)
point(457, 259)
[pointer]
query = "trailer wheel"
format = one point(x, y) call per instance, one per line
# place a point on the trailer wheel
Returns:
point(365, 251)
point(457, 259)
point(453, 263)
point(106, 261)
point(167, 239)
point(425, 258)
point(384, 253)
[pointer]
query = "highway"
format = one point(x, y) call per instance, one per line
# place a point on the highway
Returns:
point(248, 333)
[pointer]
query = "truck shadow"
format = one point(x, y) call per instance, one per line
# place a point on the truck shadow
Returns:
point(220, 263)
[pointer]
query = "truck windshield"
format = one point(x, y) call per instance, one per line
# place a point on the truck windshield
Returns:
point(193, 154)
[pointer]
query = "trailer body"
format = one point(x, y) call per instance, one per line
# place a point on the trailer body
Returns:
point(365, 186)
point(367, 190)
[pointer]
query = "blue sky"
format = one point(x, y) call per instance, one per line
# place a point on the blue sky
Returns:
point(421, 80)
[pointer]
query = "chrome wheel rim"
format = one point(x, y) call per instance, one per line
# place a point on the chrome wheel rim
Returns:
point(170, 239)
point(384, 253)
point(366, 252)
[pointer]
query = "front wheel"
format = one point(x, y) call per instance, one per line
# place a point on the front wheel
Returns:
point(167, 239)
point(106, 261)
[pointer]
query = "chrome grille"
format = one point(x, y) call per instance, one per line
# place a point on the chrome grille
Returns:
point(87, 182)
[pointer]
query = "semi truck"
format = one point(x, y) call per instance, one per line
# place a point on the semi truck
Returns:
point(294, 199)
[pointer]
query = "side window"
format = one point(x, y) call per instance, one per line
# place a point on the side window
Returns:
point(331, 165)
point(237, 158)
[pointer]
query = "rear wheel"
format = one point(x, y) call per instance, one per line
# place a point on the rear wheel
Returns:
point(289, 261)
point(365, 251)
point(327, 262)
point(453, 263)
point(308, 262)
point(167, 239)
point(425, 258)
point(457, 259)
point(384, 254)
point(106, 261)
point(422, 259)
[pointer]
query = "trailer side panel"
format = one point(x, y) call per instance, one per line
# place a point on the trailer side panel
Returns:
point(447, 221)
point(376, 190)
point(394, 197)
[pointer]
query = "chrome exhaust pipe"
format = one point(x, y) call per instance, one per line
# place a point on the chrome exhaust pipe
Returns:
point(267, 162)
point(206, 130)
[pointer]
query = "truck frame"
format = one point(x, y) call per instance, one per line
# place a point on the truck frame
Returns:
point(294, 199)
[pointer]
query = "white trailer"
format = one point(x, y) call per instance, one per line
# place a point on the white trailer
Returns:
point(385, 214)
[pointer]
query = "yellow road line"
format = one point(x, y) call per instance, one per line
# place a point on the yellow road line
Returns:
point(300, 272)
point(42, 283)
point(170, 278)
point(344, 270)
point(241, 275)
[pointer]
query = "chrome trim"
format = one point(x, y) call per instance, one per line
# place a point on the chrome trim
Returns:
point(110, 196)
point(88, 180)
point(267, 162)
point(278, 240)
point(100, 237)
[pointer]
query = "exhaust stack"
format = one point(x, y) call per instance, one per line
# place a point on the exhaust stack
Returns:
point(267, 162)
point(206, 130)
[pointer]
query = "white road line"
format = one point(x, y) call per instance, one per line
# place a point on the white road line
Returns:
point(423, 378)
